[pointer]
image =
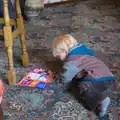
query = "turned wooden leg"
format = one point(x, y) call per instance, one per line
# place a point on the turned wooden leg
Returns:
point(20, 26)
point(9, 44)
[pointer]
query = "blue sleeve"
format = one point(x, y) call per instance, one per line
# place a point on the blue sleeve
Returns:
point(69, 72)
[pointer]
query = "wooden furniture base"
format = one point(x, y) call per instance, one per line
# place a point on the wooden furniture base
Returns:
point(9, 36)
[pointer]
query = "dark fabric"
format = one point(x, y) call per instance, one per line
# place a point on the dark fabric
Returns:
point(22, 4)
point(1, 113)
point(90, 94)
point(12, 11)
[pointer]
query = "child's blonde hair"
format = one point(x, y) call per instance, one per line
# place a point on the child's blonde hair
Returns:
point(63, 43)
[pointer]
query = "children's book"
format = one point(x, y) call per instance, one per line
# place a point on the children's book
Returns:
point(37, 78)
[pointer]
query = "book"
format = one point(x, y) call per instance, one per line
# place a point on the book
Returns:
point(37, 78)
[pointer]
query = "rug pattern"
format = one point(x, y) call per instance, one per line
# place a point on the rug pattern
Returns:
point(97, 23)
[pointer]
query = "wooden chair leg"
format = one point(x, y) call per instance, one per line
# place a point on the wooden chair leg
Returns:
point(9, 44)
point(20, 26)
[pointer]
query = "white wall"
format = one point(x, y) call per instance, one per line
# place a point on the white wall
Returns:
point(52, 1)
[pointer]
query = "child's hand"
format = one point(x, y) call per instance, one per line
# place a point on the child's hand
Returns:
point(57, 78)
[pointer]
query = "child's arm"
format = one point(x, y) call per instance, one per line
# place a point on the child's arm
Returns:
point(69, 72)
point(81, 74)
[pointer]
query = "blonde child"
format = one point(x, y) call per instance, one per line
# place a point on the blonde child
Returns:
point(89, 77)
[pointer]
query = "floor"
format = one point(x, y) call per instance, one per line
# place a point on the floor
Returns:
point(97, 23)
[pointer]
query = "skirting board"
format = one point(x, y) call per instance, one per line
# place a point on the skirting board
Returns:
point(60, 3)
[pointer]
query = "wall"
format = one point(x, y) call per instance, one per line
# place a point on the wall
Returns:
point(53, 1)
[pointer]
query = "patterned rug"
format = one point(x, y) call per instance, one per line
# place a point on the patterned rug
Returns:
point(97, 23)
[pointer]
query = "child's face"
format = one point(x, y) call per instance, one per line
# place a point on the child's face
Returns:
point(62, 55)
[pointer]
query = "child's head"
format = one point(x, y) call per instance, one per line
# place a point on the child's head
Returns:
point(62, 45)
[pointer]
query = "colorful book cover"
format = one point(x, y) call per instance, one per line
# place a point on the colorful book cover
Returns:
point(37, 78)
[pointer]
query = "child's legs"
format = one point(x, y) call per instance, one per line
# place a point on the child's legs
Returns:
point(103, 106)
point(87, 94)
point(92, 98)
point(104, 85)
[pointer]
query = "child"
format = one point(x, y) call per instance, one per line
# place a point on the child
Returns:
point(89, 77)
